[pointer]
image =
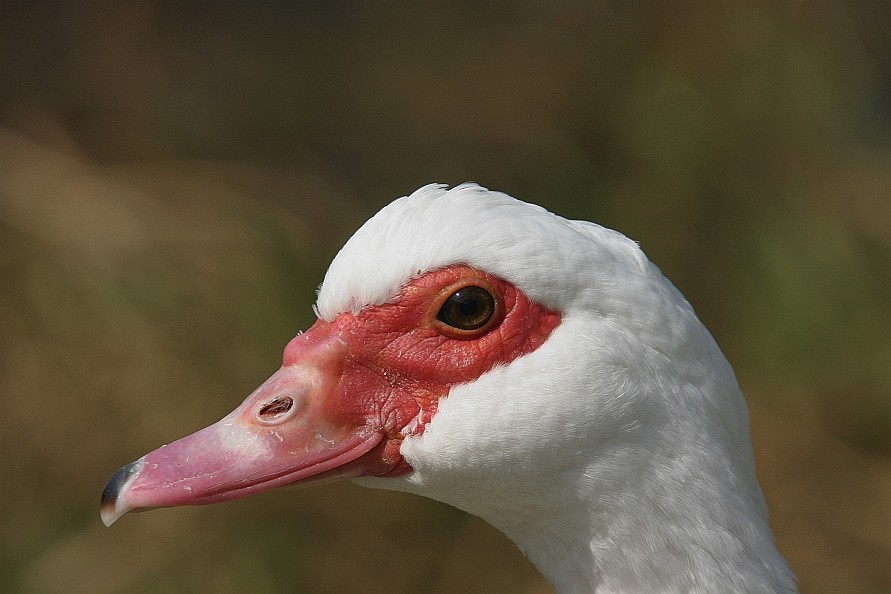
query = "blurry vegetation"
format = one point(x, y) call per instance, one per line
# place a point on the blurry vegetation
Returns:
point(175, 178)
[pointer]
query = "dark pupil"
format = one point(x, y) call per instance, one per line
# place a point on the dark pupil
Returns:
point(468, 308)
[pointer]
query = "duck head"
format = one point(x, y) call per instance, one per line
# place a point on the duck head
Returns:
point(538, 372)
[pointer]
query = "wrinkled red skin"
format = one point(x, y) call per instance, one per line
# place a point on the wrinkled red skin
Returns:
point(398, 363)
point(347, 394)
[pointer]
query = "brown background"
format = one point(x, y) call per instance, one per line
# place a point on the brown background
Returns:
point(175, 178)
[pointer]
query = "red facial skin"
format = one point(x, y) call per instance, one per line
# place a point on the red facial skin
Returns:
point(402, 363)
point(357, 386)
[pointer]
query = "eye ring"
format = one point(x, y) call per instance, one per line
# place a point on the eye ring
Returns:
point(467, 309)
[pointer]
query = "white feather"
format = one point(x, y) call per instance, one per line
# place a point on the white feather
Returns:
point(617, 455)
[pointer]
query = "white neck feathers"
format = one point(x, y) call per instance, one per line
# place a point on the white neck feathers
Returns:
point(617, 455)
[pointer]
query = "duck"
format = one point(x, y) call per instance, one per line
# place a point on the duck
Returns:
point(538, 372)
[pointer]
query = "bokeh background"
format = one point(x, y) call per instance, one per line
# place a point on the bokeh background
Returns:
point(175, 178)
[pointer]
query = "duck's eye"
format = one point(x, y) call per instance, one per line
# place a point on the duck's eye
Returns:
point(468, 308)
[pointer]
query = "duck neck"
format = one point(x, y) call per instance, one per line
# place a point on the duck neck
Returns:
point(668, 530)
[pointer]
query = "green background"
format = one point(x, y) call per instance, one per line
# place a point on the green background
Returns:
point(175, 178)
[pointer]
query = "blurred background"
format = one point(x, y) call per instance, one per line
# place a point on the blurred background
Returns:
point(176, 177)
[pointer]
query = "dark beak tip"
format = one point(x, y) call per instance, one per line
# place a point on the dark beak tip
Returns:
point(116, 482)
point(113, 488)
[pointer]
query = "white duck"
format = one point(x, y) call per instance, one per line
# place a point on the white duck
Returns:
point(537, 372)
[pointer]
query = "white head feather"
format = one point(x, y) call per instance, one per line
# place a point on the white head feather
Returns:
point(435, 227)
point(617, 455)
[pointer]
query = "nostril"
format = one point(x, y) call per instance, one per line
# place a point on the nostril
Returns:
point(277, 407)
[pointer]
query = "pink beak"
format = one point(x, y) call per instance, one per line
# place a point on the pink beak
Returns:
point(290, 429)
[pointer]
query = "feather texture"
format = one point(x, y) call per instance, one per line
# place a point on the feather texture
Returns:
point(617, 456)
